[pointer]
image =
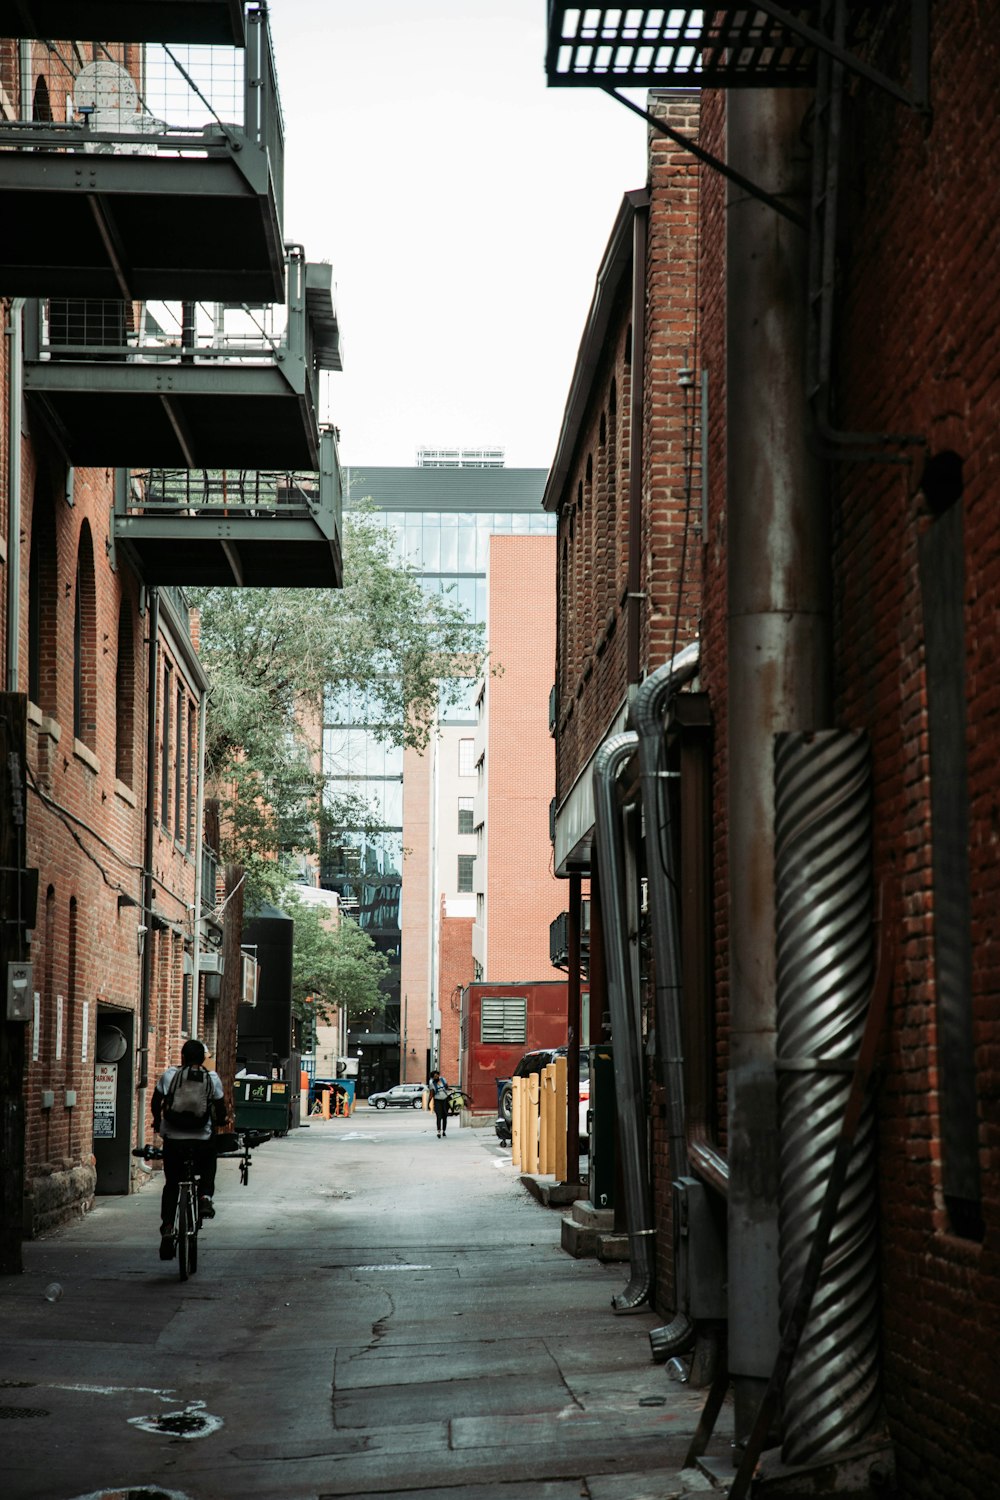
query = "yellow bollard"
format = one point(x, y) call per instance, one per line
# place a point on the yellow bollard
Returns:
point(550, 1129)
point(515, 1122)
point(543, 1122)
point(326, 1104)
point(533, 1097)
point(559, 1109)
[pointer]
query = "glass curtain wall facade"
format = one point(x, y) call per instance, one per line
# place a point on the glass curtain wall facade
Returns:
point(440, 522)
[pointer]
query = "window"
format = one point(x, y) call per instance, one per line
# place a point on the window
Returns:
point(167, 701)
point(179, 766)
point(465, 811)
point(466, 757)
point(465, 867)
point(125, 696)
point(85, 645)
point(503, 1019)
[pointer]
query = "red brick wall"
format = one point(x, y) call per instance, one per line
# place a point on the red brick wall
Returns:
point(920, 353)
point(454, 973)
point(523, 895)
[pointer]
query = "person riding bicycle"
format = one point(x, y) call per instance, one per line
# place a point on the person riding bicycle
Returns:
point(440, 1097)
point(187, 1101)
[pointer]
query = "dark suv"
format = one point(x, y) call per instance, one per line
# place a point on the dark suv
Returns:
point(534, 1062)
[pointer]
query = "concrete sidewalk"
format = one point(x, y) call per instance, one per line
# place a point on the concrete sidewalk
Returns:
point(377, 1313)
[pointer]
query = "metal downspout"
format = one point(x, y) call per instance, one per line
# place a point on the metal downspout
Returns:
point(640, 238)
point(146, 978)
point(199, 844)
point(626, 1039)
point(14, 392)
point(648, 711)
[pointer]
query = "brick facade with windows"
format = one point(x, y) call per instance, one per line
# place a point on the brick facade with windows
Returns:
point(915, 572)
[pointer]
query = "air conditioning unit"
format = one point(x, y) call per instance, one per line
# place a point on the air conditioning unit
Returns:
point(212, 962)
point(249, 973)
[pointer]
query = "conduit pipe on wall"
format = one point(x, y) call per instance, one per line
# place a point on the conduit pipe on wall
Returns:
point(648, 712)
point(15, 386)
point(625, 1034)
point(146, 978)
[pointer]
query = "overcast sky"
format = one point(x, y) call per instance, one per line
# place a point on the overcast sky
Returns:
point(464, 207)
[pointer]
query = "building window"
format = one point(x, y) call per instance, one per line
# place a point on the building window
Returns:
point(466, 863)
point(179, 767)
point(503, 1019)
point(466, 806)
point(85, 645)
point(125, 697)
point(466, 757)
point(168, 693)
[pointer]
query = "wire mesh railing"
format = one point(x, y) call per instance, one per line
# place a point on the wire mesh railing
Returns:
point(161, 332)
point(225, 492)
point(124, 98)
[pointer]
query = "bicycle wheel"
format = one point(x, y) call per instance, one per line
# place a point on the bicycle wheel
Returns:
point(193, 1235)
point(184, 1228)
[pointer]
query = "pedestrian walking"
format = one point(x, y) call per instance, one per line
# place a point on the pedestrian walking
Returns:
point(439, 1096)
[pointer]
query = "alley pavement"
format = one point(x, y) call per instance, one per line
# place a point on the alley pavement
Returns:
point(377, 1312)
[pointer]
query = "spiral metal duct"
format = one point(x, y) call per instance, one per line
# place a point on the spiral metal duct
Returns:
point(824, 976)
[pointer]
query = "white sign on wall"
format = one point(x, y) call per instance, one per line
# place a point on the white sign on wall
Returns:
point(36, 1028)
point(86, 1028)
point(105, 1099)
point(59, 1021)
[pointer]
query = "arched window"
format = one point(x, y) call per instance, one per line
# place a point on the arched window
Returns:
point(85, 644)
point(125, 696)
point(41, 106)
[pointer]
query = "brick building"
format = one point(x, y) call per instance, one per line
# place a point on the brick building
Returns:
point(834, 737)
point(113, 408)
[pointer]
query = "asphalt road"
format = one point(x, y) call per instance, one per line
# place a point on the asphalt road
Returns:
point(377, 1313)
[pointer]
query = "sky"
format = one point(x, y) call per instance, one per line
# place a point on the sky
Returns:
point(464, 207)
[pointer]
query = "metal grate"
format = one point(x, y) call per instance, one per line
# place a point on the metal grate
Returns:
point(23, 1411)
point(671, 46)
point(504, 1019)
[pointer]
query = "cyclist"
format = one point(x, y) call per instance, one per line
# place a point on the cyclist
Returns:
point(184, 1128)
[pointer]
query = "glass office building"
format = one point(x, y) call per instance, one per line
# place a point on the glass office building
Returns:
point(440, 521)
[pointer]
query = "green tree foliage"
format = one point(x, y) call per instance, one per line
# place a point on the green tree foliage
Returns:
point(334, 964)
point(272, 654)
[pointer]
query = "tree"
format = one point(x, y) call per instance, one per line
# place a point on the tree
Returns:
point(274, 656)
point(334, 965)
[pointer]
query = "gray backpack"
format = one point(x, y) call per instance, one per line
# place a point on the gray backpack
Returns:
point(189, 1099)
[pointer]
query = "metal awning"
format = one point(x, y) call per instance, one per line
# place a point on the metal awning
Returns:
point(321, 308)
point(233, 528)
point(203, 21)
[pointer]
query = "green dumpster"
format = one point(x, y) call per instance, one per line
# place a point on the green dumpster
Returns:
point(261, 1104)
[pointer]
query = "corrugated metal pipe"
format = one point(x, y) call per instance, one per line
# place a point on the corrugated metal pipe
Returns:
point(648, 712)
point(823, 877)
point(625, 1030)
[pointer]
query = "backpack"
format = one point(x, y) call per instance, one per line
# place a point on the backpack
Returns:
point(189, 1099)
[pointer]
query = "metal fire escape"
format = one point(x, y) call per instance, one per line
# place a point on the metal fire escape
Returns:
point(823, 45)
point(146, 164)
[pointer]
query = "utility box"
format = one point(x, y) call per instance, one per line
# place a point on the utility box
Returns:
point(603, 1126)
point(699, 1231)
point(261, 1104)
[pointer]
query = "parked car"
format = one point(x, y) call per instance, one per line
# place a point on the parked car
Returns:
point(400, 1096)
point(534, 1062)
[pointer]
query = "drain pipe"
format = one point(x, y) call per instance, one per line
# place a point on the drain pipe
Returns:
point(15, 335)
point(625, 1034)
point(146, 979)
point(648, 712)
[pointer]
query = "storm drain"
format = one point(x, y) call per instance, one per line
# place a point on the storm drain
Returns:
point(141, 1494)
point(23, 1411)
point(192, 1422)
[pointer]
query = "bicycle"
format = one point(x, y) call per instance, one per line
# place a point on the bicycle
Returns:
point(183, 1239)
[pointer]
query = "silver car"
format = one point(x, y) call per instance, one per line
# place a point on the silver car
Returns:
point(400, 1096)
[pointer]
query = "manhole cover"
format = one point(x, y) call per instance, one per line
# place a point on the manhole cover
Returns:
point(23, 1411)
